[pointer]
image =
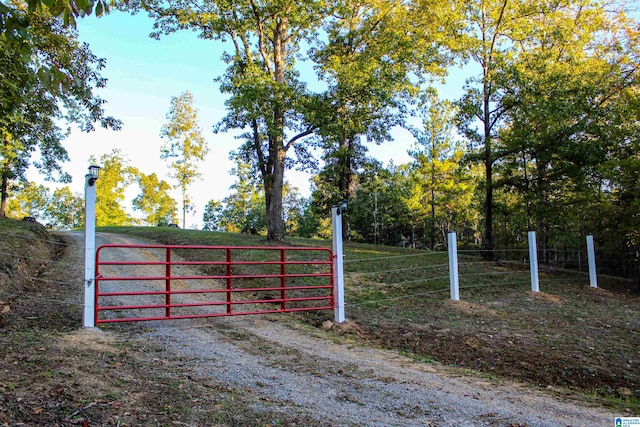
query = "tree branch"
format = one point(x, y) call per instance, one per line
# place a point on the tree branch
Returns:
point(260, 31)
point(299, 136)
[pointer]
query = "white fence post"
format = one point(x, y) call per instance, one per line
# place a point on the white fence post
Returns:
point(338, 268)
point(533, 262)
point(453, 267)
point(591, 256)
point(90, 247)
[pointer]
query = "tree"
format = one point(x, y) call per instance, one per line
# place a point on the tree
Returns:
point(573, 88)
point(441, 189)
point(184, 146)
point(378, 212)
point(59, 210)
point(267, 99)
point(375, 57)
point(115, 177)
point(30, 200)
point(309, 224)
point(154, 200)
point(13, 24)
point(212, 216)
point(244, 208)
point(294, 209)
point(65, 210)
point(48, 79)
point(492, 29)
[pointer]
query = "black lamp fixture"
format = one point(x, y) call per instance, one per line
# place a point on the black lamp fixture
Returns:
point(342, 207)
point(93, 174)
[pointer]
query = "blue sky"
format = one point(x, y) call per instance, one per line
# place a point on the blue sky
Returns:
point(143, 74)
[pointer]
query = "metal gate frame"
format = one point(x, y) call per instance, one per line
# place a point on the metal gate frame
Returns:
point(230, 278)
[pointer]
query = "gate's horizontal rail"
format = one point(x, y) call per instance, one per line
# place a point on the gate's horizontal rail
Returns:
point(221, 276)
point(239, 284)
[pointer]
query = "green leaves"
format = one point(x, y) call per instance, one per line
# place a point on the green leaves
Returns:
point(48, 79)
point(115, 177)
point(60, 210)
point(542, 115)
point(69, 10)
point(441, 188)
point(155, 201)
point(550, 111)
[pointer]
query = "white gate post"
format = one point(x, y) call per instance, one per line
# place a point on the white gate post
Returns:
point(591, 256)
point(90, 246)
point(338, 259)
point(533, 262)
point(453, 267)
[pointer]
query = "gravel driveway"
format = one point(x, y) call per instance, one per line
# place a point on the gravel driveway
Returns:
point(281, 366)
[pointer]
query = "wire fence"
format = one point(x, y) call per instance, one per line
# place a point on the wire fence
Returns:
point(7, 296)
point(409, 277)
point(368, 279)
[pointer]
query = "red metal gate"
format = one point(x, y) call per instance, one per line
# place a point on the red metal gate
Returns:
point(179, 282)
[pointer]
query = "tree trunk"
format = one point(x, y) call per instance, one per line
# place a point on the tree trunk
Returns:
point(275, 223)
point(542, 211)
point(487, 90)
point(184, 213)
point(345, 178)
point(432, 225)
point(488, 165)
point(5, 196)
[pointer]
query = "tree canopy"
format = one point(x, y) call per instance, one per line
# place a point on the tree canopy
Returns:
point(546, 129)
point(47, 80)
point(115, 177)
point(154, 200)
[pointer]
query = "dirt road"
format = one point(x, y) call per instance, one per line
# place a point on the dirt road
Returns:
point(282, 367)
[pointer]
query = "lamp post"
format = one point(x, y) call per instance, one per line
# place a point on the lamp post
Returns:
point(90, 245)
point(338, 268)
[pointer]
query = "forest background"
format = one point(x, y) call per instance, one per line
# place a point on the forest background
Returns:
point(543, 134)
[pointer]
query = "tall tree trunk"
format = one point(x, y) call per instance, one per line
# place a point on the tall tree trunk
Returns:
point(275, 222)
point(489, 45)
point(432, 227)
point(4, 200)
point(346, 177)
point(542, 211)
point(488, 165)
point(432, 193)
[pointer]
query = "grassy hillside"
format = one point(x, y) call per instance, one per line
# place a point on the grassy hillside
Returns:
point(567, 336)
point(19, 240)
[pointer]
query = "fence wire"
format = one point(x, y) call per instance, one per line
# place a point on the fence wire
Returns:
point(41, 300)
point(396, 270)
point(425, 254)
point(504, 269)
point(515, 260)
point(31, 236)
point(397, 284)
point(400, 297)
